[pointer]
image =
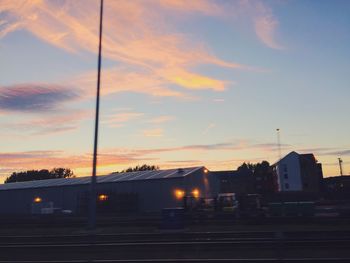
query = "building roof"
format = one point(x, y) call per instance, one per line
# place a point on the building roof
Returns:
point(111, 178)
point(304, 156)
point(284, 157)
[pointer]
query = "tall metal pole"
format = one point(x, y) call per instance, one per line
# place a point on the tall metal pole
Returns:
point(92, 207)
point(279, 144)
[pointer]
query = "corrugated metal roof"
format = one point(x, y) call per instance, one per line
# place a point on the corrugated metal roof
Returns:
point(111, 178)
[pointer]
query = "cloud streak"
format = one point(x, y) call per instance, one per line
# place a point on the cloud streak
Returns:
point(161, 119)
point(44, 124)
point(119, 119)
point(34, 97)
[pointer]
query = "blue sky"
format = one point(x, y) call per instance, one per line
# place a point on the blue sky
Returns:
point(183, 83)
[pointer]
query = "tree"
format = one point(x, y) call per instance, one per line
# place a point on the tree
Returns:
point(62, 172)
point(33, 175)
point(260, 175)
point(246, 168)
point(143, 167)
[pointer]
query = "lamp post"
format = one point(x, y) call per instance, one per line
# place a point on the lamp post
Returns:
point(92, 199)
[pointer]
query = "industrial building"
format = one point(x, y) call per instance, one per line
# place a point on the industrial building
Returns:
point(132, 192)
point(299, 172)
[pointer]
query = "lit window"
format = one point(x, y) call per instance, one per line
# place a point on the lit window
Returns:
point(37, 199)
point(103, 197)
point(195, 193)
point(179, 194)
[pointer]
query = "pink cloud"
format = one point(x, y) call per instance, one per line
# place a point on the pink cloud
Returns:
point(265, 24)
point(48, 124)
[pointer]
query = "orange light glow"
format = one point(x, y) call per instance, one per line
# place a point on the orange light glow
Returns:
point(103, 198)
point(206, 171)
point(37, 200)
point(195, 193)
point(179, 194)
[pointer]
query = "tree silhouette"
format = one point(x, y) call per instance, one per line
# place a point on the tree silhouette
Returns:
point(262, 176)
point(33, 175)
point(143, 167)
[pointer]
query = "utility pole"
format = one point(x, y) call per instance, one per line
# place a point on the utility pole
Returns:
point(340, 166)
point(92, 203)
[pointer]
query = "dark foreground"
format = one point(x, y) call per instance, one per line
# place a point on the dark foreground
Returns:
point(296, 246)
point(144, 241)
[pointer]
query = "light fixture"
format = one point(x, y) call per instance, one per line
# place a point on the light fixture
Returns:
point(37, 199)
point(179, 194)
point(195, 193)
point(103, 197)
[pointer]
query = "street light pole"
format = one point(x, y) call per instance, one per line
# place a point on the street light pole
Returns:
point(92, 203)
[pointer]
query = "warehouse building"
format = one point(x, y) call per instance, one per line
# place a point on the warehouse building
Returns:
point(132, 192)
point(299, 172)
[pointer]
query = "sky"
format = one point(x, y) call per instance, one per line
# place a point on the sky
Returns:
point(184, 83)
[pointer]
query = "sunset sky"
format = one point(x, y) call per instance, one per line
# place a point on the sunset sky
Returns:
point(184, 83)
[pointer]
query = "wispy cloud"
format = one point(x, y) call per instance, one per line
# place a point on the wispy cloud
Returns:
point(120, 118)
point(219, 100)
point(326, 151)
point(200, 6)
point(161, 119)
point(34, 97)
point(157, 132)
point(265, 26)
point(339, 153)
point(126, 79)
point(48, 124)
point(208, 128)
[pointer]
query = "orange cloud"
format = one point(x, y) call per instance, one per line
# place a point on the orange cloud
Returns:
point(193, 81)
point(118, 80)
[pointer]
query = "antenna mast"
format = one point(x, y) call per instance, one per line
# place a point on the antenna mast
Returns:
point(279, 143)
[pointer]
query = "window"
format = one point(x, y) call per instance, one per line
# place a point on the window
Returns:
point(285, 168)
point(285, 176)
point(286, 185)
